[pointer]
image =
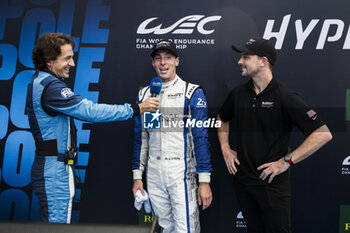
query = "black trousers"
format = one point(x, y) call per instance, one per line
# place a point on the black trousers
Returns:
point(266, 209)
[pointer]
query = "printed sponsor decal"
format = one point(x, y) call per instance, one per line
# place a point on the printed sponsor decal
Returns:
point(174, 96)
point(201, 103)
point(240, 223)
point(266, 104)
point(185, 25)
point(251, 41)
point(193, 30)
point(345, 170)
point(331, 31)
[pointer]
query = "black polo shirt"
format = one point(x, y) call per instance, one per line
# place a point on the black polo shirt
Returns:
point(263, 124)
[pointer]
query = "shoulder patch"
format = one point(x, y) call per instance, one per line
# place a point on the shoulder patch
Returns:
point(190, 89)
point(66, 92)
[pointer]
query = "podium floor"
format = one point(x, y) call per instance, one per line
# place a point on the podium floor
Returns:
point(39, 227)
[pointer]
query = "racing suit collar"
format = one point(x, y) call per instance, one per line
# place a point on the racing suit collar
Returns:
point(51, 73)
point(168, 85)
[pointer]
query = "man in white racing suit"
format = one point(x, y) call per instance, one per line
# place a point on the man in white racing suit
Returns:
point(176, 151)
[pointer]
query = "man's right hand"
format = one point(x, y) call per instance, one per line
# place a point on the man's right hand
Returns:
point(230, 157)
point(149, 105)
point(138, 185)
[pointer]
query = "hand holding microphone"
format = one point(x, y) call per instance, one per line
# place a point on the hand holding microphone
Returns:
point(149, 105)
point(152, 103)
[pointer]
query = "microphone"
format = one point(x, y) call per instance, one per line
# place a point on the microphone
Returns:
point(156, 86)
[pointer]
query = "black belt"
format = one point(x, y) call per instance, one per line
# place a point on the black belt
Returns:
point(46, 148)
point(49, 148)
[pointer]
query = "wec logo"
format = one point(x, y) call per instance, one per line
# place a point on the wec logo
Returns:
point(345, 170)
point(240, 222)
point(184, 25)
point(346, 161)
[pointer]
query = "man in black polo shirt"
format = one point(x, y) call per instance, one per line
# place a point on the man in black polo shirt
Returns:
point(263, 112)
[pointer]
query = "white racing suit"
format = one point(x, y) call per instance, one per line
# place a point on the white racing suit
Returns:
point(174, 154)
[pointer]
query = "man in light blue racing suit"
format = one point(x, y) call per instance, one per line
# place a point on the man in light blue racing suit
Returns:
point(175, 152)
point(51, 105)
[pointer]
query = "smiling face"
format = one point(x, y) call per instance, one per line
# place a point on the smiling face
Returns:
point(250, 64)
point(61, 66)
point(165, 65)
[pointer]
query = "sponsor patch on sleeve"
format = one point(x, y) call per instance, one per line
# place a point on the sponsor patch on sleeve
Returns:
point(66, 92)
point(201, 103)
point(312, 114)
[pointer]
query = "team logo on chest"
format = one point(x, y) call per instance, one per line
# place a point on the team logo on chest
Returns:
point(266, 104)
point(175, 95)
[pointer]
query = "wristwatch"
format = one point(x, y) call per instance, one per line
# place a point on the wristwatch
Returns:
point(288, 159)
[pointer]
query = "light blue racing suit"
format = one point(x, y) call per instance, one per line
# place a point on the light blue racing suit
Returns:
point(50, 106)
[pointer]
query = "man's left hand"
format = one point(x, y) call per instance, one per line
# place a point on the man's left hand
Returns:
point(273, 169)
point(204, 195)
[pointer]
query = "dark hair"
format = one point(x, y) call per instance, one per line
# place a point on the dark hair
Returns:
point(49, 48)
